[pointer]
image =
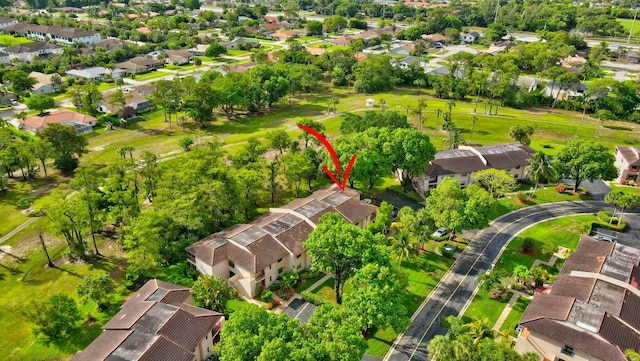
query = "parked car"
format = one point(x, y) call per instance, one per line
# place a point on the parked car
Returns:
point(603, 237)
point(449, 248)
point(13, 102)
point(440, 232)
point(394, 213)
point(367, 200)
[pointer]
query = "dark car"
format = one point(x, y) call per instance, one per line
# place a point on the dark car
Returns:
point(449, 248)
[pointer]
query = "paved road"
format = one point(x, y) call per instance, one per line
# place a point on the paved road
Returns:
point(457, 286)
point(18, 229)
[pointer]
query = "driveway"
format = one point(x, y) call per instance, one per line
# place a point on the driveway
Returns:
point(456, 288)
point(597, 189)
point(396, 200)
point(300, 309)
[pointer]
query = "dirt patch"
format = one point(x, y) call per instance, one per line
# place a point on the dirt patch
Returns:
point(526, 253)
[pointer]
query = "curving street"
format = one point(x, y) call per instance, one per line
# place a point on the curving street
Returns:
point(457, 286)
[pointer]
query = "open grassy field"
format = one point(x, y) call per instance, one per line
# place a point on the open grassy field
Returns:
point(10, 40)
point(153, 75)
point(423, 274)
point(626, 24)
point(543, 195)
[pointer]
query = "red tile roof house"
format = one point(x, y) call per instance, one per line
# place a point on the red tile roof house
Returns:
point(83, 123)
point(591, 312)
point(157, 323)
point(627, 162)
point(253, 255)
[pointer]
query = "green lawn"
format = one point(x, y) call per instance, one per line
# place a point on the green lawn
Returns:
point(10, 40)
point(483, 306)
point(152, 75)
point(622, 188)
point(515, 315)
point(26, 279)
point(233, 52)
point(543, 195)
point(423, 274)
point(626, 24)
point(306, 283)
point(184, 67)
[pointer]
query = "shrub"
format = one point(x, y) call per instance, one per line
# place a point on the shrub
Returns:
point(623, 180)
point(561, 188)
point(522, 197)
point(266, 296)
point(528, 244)
point(24, 203)
point(274, 287)
point(313, 298)
point(268, 306)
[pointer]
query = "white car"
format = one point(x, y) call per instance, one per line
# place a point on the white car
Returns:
point(440, 232)
point(603, 237)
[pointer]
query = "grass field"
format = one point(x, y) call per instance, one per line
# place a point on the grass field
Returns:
point(515, 315)
point(152, 75)
point(423, 274)
point(10, 40)
point(626, 24)
point(543, 195)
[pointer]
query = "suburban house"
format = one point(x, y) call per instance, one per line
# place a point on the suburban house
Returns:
point(95, 73)
point(591, 312)
point(110, 44)
point(627, 162)
point(4, 22)
point(569, 92)
point(461, 163)
point(44, 84)
point(5, 58)
point(405, 63)
point(83, 123)
point(199, 49)
point(139, 65)
point(135, 104)
point(435, 38)
point(145, 89)
point(157, 323)
point(235, 43)
point(633, 56)
point(471, 37)
point(404, 49)
point(179, 57)
point(60, 34)
point(284, 34)
point(28, 51)
point(253, 255)
point(341, 40)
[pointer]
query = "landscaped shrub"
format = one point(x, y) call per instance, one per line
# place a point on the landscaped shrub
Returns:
point(274, 287)
point(522, 197)
point(313, 298)
point(24, 203)
point(528, 244)
point(266, 296)
point(268, 306)
point(561, 188)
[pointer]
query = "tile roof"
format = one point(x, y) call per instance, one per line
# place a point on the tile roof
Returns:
point(549, 306)
point(581, 340)
point(154, 324)
point(471, 159)
point(60, 116)
point(630, 154)
point(30, 47)
point(618, 333)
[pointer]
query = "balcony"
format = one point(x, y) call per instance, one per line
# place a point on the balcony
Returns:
point(260, 277)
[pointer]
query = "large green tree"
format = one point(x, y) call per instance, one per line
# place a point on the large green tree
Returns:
point(97, 287)
point(521, 133)
point(341, 248)
point(55, 318)
point(86, 98)
point(40, 102)
point(410, 152)
point(67, 145)
point(584, 159)
point(496, 181)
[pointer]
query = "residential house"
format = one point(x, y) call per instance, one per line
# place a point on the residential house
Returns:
point(136, 103)
point(28, 51)
point(461, 163)
point(471, 37)
point(627, 162)
point(435, 38)
point(235, 43)
point(405, 63)
point(341, 40)
point(284, 34)
point(83, 123)
point(139, 65)
point(573, 61)
point(95, 73)
point(143, 30)
point(110, 44)
point(633, 56)
point(253, 255)
point(495, 50)
point(404, 49)
point(4, 22)
point(199, 49)
point(366, 36)
point(529, 83)
point(44, 84)
point(60, 34)
point(145, 89)
point(157, 323)
point(315, 51)
point(271, 26)
point(591, 312)
point(179, 57)
point(568, 92)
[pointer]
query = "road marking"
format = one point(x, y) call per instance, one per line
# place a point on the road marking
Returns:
point(302, 309)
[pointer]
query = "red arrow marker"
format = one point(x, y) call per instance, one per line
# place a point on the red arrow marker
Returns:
point(333, 154)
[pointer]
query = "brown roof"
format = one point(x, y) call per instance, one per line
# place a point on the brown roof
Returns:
point(144, 30)
point(174, 329)
point(267, 251)
point(463, 162)
point(60, 116)
point(164, 349)
point(577, 287)
point(630, 154)
point(342, 40)
point(467, 159)
point(293, 238)
point(619, 334)
point(316, 51)
point(630, 311)
point(580, 340)
point(355, 211)
point(549, 306)
point(287, 34)
point(180, 53)
point(103, 346)
point(272, 26)
point(434, 37)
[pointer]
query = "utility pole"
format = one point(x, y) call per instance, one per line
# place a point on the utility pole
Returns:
point(632, 24)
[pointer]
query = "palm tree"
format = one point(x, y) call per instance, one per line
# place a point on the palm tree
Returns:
point(403, 245)
point(627, 201)
point(454, 139)
point(419, 83)
point(480, 329)
point(440, 348)
point(539, 168)
point(122, 152)
point(383, 105)
point(474, 119)
point(422, 103)
point(613, 198)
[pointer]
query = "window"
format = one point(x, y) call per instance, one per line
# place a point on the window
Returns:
point(269, 266)
point(280, 260)
point(207, 349)
point(462, 184)
point(515, 175)
point(299, 265)
point(298, 256)
point(464, 174)
point(518, 167)
point(270, 279)
point(231, 264)
point(567, 350)
point(280, 270)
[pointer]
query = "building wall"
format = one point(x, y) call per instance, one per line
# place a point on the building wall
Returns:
point(550, 348)
point(464, 179)
point(46, 89)
point(622, 165)
point(205, 348)
point(205, 268)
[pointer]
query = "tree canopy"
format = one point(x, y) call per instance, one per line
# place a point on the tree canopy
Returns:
point(582, 159)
